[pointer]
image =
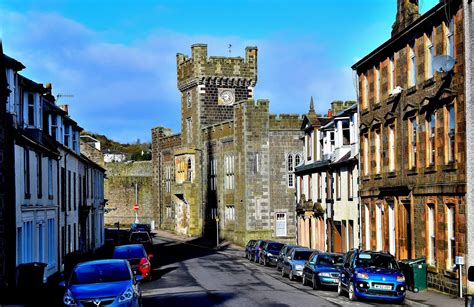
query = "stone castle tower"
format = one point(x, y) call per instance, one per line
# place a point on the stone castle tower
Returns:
point(229, 161)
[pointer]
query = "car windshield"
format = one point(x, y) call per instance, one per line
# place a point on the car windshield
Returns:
point(275, 246)
point(330, 260)
point(99, 273)
point(302, 255)
point(129, 252)
point(376, 261)
point(139, 226)
point(139, 237)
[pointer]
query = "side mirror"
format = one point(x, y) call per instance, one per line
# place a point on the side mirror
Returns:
point(138, 278)
point(346, 265)
point(288, 257)
point(62, 284)
point(150, 256)
point(470, 274)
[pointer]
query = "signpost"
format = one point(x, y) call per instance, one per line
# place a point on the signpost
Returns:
point(136, 206)
point(459, 260)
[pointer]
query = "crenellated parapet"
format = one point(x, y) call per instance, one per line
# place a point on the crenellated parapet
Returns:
point(285, 121)
point(216, 70)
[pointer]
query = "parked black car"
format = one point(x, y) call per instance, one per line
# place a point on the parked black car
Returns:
point(142, 237)
point(140, 227)
point(248, 248)
point(255, 251)
point(322, 269)
point(283, 253)
point(269, 253)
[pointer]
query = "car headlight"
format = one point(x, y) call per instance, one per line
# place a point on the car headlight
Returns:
point(400, 278)
point(269, 254)
point(298, 267)
point(126, 295)
point(324, 274)
point(363, 275)
point(68, 299)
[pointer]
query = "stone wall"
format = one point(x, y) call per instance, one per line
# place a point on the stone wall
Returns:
point(120, 192)
point(93, 154)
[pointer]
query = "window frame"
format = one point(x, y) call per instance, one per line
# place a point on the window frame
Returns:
point(450, 138)
point(430, 53)
point(413, 142)
point(431, 234)
point(412, 65)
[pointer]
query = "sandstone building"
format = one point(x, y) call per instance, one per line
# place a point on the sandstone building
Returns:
point(230, 160)
point(413, 141)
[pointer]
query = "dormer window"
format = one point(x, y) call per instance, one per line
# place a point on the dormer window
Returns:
point(66, 135)
point(54, 127)
point(74, 140)
point(30, 110)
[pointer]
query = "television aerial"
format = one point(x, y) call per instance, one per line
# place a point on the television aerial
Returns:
point(443, 63)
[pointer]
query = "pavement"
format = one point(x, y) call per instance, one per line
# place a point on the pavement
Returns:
point(423, 298)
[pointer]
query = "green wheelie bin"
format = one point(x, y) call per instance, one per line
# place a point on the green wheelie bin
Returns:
point(415, 271)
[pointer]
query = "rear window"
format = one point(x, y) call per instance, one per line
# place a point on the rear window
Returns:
point(376, 261)
point(99, 273)
point(330, 260)
point(302, 255)
point(139, 237)
point(129, 252)
point(277, 246)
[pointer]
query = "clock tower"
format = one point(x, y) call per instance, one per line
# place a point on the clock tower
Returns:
point(210, 86)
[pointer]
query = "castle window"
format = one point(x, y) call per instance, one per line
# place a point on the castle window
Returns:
point(450, 133)
point(188, 99)
point(297, 160)
point(290, 171)
point(412, 66)
point(213, 179)
point(189, 129)
point(189, 172)
point(229, 213)
point(430, 56)
point(229, 172)
point(168, 178)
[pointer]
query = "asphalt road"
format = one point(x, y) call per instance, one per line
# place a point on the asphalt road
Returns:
point(188, 275)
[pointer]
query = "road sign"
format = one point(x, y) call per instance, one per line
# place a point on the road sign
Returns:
point(136, 207)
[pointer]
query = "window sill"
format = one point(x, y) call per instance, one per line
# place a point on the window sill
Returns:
point(366, 178)
point(450, 167)
point(411, 90)
point(364, 112)
point(376, 106)
point(350, 199)
point(392, 174)
point(450, 274)
point(428, 82)
point(50, 197)
point(27, 195)
point(412, 172)
point(378, 176)
point(338, 198)
point(40, 195)
point(432, 268)
point(391, 99)
point(319, 200)
point(430, 169)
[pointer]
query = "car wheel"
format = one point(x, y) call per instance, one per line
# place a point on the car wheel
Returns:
point(315, 283)
point(352, 296)
point(303, 280)
point(339, 289)
point(291, 276)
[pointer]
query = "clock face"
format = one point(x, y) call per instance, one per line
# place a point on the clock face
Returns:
point(226, 96)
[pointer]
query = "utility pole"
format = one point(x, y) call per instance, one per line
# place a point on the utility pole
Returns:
point(136, 202)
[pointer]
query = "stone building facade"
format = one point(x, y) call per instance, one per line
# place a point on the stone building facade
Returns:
point(413, 141)
point(469, 55)
point(227, 167)
point(326, 181)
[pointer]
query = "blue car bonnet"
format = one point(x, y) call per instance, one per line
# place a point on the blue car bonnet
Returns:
point(379, 274)
point(109, 289)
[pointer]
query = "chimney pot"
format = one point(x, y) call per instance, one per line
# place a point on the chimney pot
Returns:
point(65, 108)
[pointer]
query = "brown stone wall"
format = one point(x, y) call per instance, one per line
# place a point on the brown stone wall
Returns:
point(412, 189)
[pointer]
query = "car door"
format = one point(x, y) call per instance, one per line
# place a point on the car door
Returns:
point(346, 269)
point(308, 267)
point(280, 256)
point(287, 259)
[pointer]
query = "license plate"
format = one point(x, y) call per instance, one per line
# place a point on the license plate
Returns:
point(383, 287)
point(335, 280)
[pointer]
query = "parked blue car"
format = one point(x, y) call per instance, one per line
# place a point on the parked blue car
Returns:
point(103, 282)
point(372, 275)
point(322, 269)
point(294, 263)
point(269, 253)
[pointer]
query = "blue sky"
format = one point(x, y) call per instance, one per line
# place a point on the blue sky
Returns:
point(118, 58)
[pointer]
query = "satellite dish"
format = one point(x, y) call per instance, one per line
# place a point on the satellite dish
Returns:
point(443, 63)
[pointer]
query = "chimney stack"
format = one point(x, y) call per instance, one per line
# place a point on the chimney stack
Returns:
point(329, 113)
point(407, 12)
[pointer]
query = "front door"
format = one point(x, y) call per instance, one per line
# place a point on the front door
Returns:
point(404, 231)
